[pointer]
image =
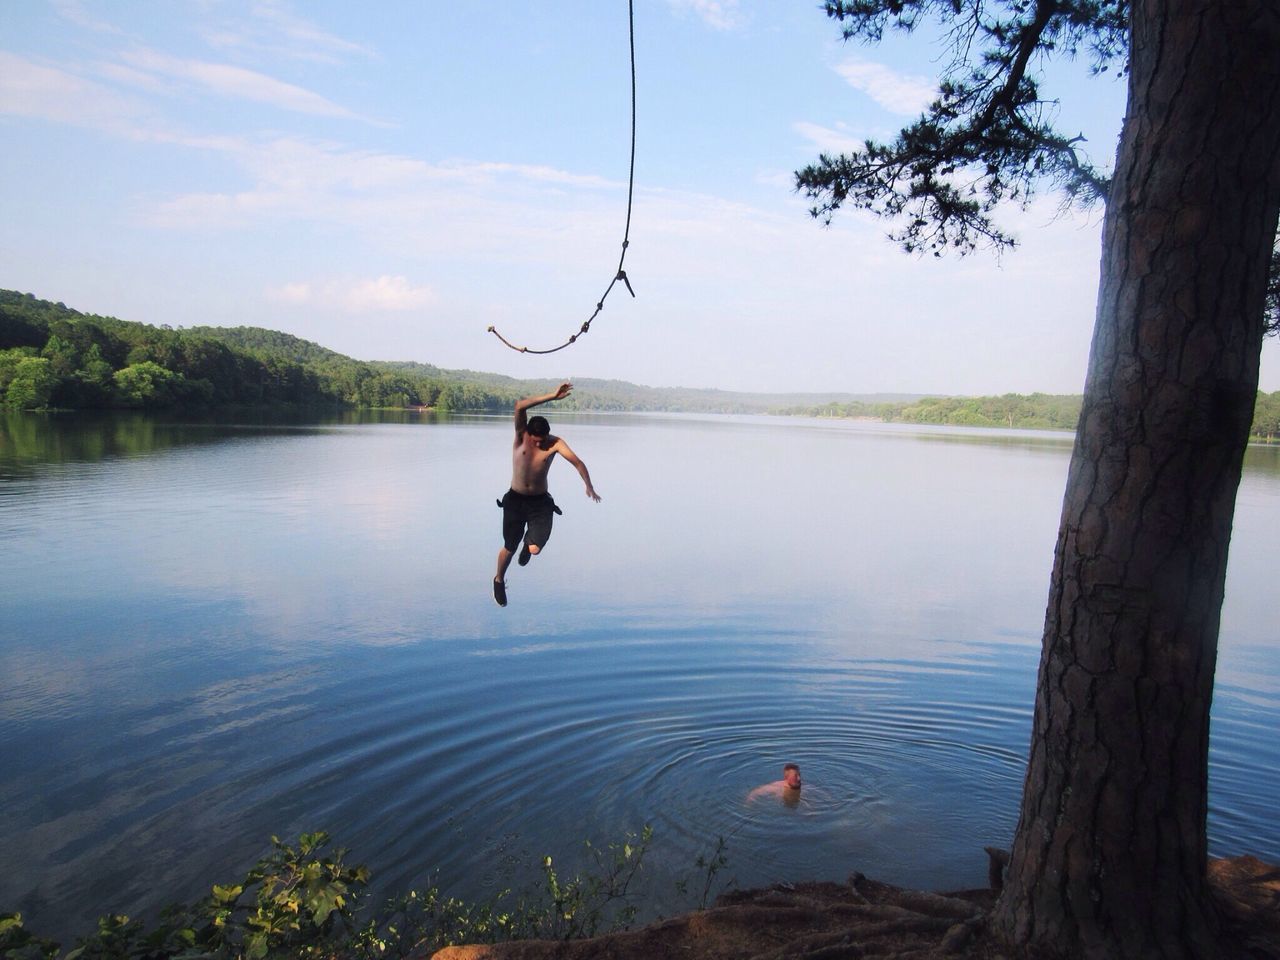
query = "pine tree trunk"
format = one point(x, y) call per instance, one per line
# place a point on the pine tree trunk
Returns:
point(1110, 854)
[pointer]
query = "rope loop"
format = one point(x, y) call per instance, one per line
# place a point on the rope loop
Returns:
point(626, 233)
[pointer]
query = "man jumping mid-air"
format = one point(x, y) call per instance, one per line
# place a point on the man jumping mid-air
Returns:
point(527, 508)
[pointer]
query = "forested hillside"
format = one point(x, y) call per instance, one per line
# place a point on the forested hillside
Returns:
point(54, 357)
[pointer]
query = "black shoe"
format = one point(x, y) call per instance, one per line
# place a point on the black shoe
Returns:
point(523, 559)
point(499, 593)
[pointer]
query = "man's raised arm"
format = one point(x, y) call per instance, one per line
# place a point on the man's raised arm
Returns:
point(522, 417)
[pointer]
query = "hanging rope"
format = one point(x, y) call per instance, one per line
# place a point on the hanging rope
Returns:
point(626, 233)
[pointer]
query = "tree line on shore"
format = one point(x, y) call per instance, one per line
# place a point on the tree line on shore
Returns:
point(1036, 411)
point(54, 357)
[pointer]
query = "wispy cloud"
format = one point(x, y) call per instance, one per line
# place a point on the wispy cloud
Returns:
point(73, 11)
point(275, 30)
point(544, 174)
point(130, 77)
point(780, 180)
point(827, 139)
point(237, 83)
point(384, 294)
point(387, 293)
point(719, 14)
point(900, 93)
point(311, 181)
point(298, 293)
point(303, 33)
point(31, 89)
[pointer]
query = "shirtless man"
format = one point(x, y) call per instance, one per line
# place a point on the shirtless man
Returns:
point(787, 788)
point(527, 508)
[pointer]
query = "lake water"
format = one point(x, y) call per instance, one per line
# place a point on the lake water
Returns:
point(213, 633)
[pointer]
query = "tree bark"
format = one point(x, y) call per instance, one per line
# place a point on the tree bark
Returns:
point(1110, 855)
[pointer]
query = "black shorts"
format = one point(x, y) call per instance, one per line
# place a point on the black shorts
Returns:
point(520, 511)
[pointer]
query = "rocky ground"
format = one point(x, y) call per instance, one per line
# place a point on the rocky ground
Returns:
point(863, 918)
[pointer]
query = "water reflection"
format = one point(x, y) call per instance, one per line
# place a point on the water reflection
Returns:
point(91, 436)
point(1262, 461)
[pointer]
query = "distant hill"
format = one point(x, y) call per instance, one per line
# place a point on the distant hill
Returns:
point(268, 341)
point(60, 357)
point(54, 356)
point(619, 395)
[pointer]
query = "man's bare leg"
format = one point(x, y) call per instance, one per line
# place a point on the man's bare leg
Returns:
point(499, 580)
point(504, 561)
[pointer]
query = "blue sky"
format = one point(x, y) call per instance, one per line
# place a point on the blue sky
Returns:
point(389, 179)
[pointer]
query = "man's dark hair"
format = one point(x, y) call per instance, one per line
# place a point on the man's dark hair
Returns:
point(538, 426)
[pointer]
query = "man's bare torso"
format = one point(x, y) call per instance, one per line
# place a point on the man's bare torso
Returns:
point(531, 462)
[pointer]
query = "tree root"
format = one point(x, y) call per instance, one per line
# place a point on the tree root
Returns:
point(867, 920)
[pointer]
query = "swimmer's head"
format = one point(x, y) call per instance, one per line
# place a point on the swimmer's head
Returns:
point(538, 427)
point(791, 776)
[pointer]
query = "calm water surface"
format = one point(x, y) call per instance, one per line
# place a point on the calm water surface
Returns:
point(212, 633)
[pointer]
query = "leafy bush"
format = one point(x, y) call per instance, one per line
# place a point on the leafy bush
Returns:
point(293, 903)
point(302, 904)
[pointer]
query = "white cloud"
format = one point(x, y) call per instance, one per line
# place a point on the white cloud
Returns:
point(828, 140)
point(900, 93)
point(544, 174)
point(779, 180)
point(384, 294)
point(275, 32)
point(32, 89)
point(387, 293)
point(291, 293)
point(395, 199)
point(138, 79)
point(47, 92)
point(303, 38)
point(238, 83)
point(73, 11)
point(720, 14)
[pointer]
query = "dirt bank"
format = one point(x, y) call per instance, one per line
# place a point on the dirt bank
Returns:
point(863, 918)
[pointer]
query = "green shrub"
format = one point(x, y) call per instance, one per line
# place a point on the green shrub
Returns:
point(303, 904)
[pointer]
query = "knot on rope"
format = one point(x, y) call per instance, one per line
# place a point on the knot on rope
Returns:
point(622, 275)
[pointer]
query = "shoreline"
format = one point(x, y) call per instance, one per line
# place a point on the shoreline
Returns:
point(863, 917)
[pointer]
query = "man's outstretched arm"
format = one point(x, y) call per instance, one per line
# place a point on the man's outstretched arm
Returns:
point(522, 406)
point(562, 448)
